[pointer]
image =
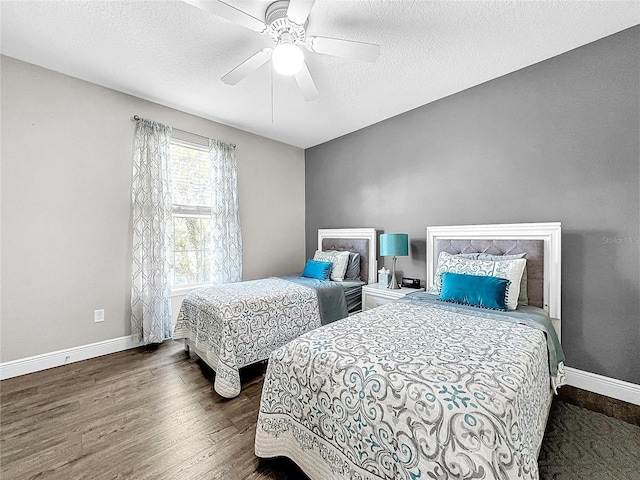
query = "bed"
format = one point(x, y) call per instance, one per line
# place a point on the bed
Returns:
point(235, 325)
point(423, 388)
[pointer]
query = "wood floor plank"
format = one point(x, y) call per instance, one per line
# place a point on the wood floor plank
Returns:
point(42, 461)
point(117, 455)
point(28, 440)
point(184, 460)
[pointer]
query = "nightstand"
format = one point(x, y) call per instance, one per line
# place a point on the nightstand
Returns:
point(378, 294)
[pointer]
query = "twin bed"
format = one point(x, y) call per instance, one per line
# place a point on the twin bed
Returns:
point(422, 388)
point(235, 325)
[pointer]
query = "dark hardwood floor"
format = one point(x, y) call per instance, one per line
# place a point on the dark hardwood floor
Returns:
point(152, 414)
point(142, 413)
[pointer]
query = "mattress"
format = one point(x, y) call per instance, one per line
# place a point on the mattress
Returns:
point(353, 295)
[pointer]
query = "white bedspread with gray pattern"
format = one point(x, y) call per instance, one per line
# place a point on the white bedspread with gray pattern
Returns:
point(409, 391)
point(238, 324)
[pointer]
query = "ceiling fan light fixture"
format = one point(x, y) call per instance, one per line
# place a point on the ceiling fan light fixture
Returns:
point(287, 58)
point(285, 23)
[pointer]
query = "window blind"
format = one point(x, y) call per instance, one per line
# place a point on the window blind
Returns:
point(191, 186)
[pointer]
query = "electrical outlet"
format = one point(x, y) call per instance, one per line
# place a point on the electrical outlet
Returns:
point(98, 315)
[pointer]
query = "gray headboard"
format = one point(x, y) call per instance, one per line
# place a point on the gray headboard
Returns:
point(357, 240)
point(534, 250)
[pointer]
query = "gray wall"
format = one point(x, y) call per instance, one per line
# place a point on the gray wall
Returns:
point(67, 148)
point(557, 141)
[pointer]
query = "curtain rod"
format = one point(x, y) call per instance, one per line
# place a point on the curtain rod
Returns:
point(137, 118)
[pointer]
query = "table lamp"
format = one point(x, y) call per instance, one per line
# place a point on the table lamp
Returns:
point(394, 245)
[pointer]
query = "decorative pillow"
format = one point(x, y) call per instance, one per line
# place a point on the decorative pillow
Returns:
point(509, 269)
point(478, 291)
point(523, 298)
point(338, 259)
point(353, 267)
point(455, 264)
point(319, 270)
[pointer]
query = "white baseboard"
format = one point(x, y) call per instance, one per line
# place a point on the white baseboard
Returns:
point(22, 366)
point(610, 387)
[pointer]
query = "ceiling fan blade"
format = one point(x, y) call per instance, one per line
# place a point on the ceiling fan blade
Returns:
point(367, 52)
point(249, 65)
point(306, 84)
point(230, 13)
point(298, 10)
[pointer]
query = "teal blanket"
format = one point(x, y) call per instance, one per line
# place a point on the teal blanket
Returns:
point(331, 299)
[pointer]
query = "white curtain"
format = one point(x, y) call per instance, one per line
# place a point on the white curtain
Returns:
point(152, 234)
point(226, 264)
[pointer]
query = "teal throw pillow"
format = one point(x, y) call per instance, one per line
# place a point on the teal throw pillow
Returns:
point(478, 291)
point(319, 270)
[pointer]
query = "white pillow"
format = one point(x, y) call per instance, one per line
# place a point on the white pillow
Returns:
point(508, 269)
point(523, 299)
point(511, 270)
point(340, 261)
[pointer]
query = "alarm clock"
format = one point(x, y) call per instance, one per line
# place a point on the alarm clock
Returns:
point(411, 282)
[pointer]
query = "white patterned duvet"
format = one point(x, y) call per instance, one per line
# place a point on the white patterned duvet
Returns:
point(409, 391)
point(238, 324)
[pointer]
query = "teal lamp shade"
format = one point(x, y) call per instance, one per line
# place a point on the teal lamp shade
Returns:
point(394, 245)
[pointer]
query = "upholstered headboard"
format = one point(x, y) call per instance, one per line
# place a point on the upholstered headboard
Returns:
point(534, 250)
point(540, 241)
point(357, 240)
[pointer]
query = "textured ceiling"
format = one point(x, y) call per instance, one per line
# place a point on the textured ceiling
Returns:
point(174, 54)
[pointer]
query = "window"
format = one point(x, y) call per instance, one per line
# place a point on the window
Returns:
point(191, 191)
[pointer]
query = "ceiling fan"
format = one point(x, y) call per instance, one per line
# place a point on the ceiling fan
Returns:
point(286, 22)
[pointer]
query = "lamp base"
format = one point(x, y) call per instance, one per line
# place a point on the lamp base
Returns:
point(393, 285)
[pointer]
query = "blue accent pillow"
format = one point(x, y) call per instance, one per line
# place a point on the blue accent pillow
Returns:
point(319, 270)
point(478, 291)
